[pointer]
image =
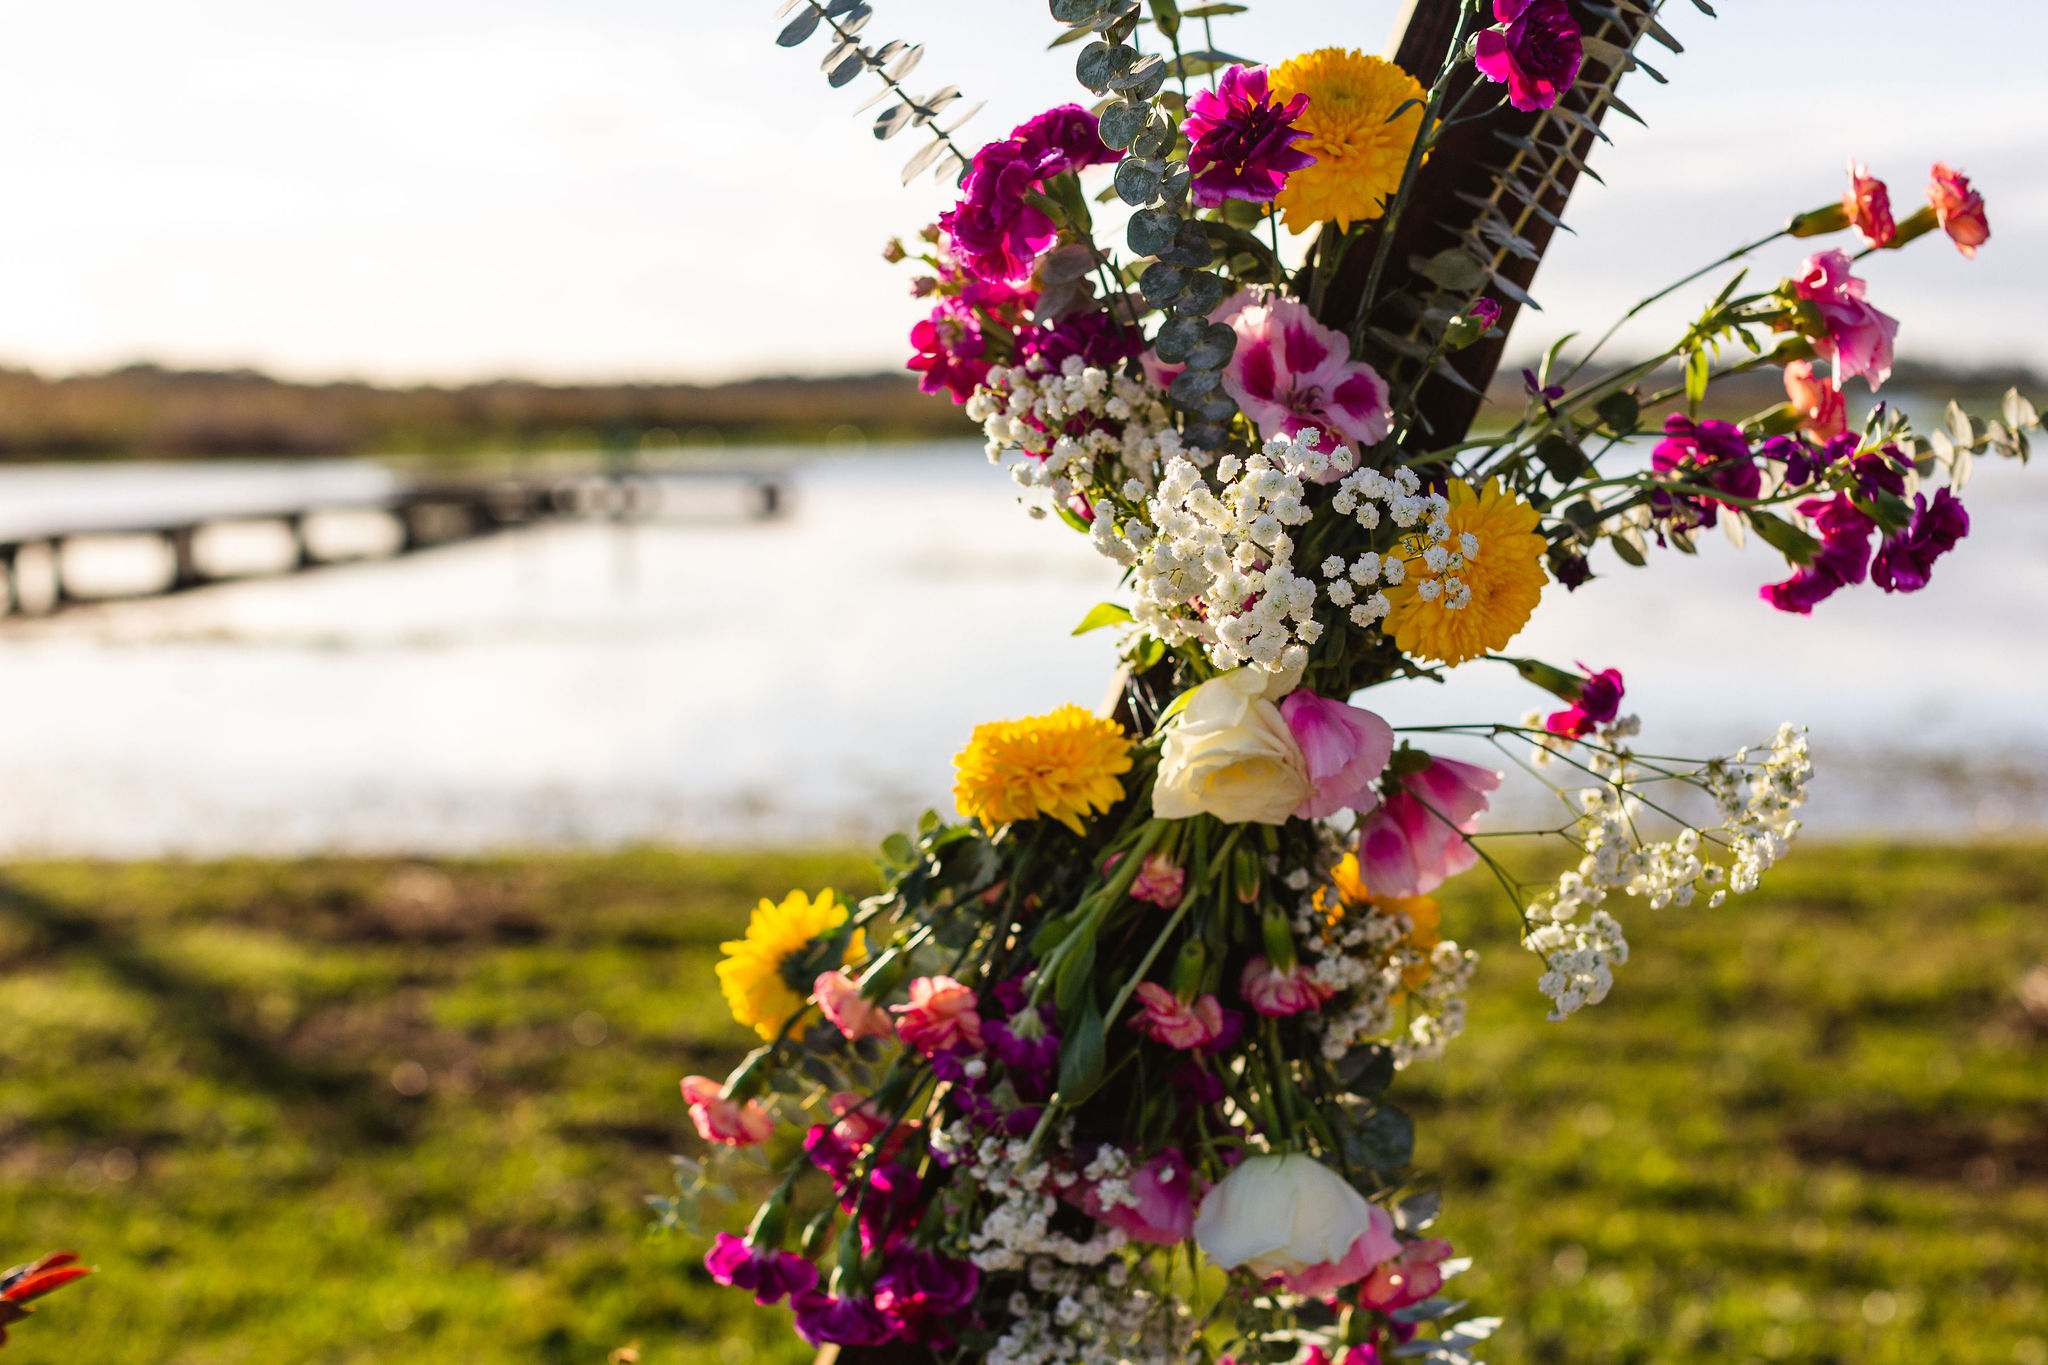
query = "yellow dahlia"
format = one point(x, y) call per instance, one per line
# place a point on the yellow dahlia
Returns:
point(767, 975)
point(1491, 578)
point(1359, 146)
point(1064, 765)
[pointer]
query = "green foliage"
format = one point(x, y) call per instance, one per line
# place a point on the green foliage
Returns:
point(1806, 1128)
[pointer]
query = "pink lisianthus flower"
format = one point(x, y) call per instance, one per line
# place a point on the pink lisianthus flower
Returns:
point(939, 1017)
point(1859, 338)
point(1241, 143)
point(1182, 1024)
point(1958, 208)
point(1277, 993)
point(1416, 839)
point(1869, 205)
point(1823, 410)
point(1346, 749)
point(720, 1120)
point(853, 1014)
point(1161, 1201)
point(1409, 1278)
point(1537, 51)
point(1291, 374)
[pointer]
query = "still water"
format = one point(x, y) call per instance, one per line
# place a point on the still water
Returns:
point(810, 677)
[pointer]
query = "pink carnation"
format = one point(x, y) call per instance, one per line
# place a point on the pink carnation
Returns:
point(1168, 1019)
point(1409, 1278)
point(1416, 839)
point(853, 1014)
point(940, 1016)
point(1823, 411)
point(1291, 374)
point(720, 1120)
point(1277, 993)
point(1346, 749)
point(1160, 881)
point(1869, 205)
point(1859, 338)
point(1958, 208)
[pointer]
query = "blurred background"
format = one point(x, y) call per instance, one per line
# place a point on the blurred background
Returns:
point(467, 532)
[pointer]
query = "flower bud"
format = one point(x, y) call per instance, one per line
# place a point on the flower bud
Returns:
point(893, 251)
point(1188, 968)
point(1918, 223)
point(766, 1229)
point(1244, 875)
point(1279, 941)
point(750, 1078)
point(1816, 222)
point(1462, 332)
point(1557, 682)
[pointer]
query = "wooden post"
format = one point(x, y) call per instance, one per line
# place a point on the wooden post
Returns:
point(1541, 153)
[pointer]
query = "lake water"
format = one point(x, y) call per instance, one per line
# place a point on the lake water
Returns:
point(811, 677)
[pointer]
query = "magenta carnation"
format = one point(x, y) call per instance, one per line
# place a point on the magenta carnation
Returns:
point(952, 345)
point(993, 232)
point(1537, 51)
point(1843, 558)
point(770, 1274)
point(1598, 702)
point(1098, 339)
point(1716, 452)
point(821, 1318)
point(1241, 142)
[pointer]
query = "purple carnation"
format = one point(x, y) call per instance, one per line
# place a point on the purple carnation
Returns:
point(893, 1198)
point(1485, 312)
point(993, 232)
point(1843, 559)
point(918, 1286)
point(770, 1274)
point(848, 1322)
point(1802, 464)
point(1242, 143)
point(1537, 51)
point(830, 1153)
point(1100, 341)
point(1598, 702)
point(1719, 451)
point(1906, 560)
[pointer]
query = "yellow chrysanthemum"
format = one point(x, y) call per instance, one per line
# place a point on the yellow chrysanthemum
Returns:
point(757, 970)
point(1504, 579)
point(1359, 146)
point(1064, 765)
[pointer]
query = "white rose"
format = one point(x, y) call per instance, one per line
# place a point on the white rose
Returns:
point(1294, 1217)
point(1230, 754)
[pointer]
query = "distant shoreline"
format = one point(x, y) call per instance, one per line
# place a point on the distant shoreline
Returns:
point(146, 411)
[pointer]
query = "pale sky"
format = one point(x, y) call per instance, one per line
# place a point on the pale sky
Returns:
point(618, 189)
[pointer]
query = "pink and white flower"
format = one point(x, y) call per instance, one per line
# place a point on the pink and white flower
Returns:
point(939, 1017)
point(1858, 338)
point(1156, 1205)
point(1416, 839)
point(1291, 374)
point(1346, 749)
point(1295, 1218)
point(1409, 1278)
point(721, 1120)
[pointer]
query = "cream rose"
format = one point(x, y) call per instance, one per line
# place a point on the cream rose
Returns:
point(1294, 1217)
point(1230, 754)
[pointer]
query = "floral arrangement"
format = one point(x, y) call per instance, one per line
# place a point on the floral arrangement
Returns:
point(1102, 1074)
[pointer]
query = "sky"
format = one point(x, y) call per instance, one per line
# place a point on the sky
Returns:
point(449, 190)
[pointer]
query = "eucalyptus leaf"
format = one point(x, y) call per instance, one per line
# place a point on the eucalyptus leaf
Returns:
point(1082, 1055)
point(1202, 294)
point(1166, 14)
point(799, 28)
point(1077, 11)
point(1137, 182)
point(1190, 247)
point(893, 121)
point(1063, 264)
point(1156, 140)
point(1628, 544)
point(923, 158)
point(1120, 124)
point(1218, 343)
point(1191, 385)
point(907, 63)
point(1141, 79)
point(1455, 270)
point(972, 110)
point(1385, 1140)
point(1162, 283)
point(2017, 411)
point(1151, 231)
point(1418, 1211)
point(1099, 64)
point(849, 67)
point(1178, 338)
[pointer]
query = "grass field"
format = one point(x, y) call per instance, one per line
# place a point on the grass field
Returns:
point(374, 1111)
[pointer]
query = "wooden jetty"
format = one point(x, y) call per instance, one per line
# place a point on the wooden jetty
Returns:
point(421, 514)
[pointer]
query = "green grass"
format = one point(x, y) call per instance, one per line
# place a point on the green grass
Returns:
point(1812, 1126)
